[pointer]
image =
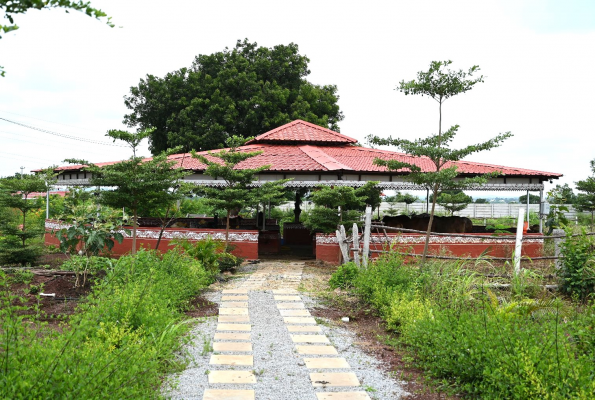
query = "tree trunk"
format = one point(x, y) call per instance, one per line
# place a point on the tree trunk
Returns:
point(227, 230)
point(297, 209)
point(429, 231)
point(134, 219)
point(164, 223)
point(24, 223)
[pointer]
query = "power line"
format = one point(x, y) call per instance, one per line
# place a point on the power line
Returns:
point(51, 122)
point(62, 135)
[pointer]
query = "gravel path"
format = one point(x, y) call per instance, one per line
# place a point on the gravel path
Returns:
point(255, 349)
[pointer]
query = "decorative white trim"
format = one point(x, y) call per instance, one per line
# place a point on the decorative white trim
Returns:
point(420, 239)
point(171, 234)
point(534, 187)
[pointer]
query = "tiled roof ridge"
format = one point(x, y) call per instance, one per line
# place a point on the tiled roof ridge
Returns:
point(267, 135)
point(327, 161)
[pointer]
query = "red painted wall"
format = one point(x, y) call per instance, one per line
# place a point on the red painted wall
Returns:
point(242, 248)
point(462, 247)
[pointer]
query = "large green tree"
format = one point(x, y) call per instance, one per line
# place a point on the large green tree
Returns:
point(136, 183)
point(244, 91)
point(586, 200)
point(454, 202)
point(439, 83)
point(12, 7)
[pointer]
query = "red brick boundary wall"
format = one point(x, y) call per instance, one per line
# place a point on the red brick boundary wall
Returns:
point(245, 242)
point(327, 247)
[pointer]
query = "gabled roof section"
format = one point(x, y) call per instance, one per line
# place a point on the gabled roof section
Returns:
point(302, 132)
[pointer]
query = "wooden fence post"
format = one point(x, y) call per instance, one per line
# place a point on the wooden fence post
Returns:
point(558, 245)
point(355, 244)
point(367, 231)
point(342, 245)
point(519, 241)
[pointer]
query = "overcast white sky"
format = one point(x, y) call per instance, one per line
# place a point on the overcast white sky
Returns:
point(68, 73)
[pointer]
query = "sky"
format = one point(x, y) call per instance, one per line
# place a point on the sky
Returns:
point(68, 73)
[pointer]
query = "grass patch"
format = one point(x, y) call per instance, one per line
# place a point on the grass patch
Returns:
point(119, 344)
point(522, 344)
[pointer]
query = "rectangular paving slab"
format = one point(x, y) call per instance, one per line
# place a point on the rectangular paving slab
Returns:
point(287, 298)
point(343, 396)
point(233, 318)
point(235, 291)
point(233, 311)
point(237, 377)
point(309, 339)
point(234, 304)
point(232, 346)
point(299, 328)
point(224, 359)
point(325, 350)
point(234, 298)
point(226, 394)
point(282, 306)
point(334, 379)
point(299, 320)
point(295, 313)
point(285, 291)
point(232, 336)
point(234, 327)
point(323, 362)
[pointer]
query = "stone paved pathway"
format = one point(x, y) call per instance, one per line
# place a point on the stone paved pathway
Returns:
point(265, 345)
point(234, 334)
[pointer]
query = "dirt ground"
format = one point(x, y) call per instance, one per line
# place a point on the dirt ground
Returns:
point(373, 336)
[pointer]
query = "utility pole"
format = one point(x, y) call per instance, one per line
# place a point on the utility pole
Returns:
point(22, 169)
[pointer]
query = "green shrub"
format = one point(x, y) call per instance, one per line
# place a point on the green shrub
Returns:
point(119, 344)
point(493, 348)
point(578, 271)
point(21, 276)
point(344, 276)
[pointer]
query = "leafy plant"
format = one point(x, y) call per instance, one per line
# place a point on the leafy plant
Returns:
point(92, 229)
point(207, 251)
point(82, 266)
point(578, 265)
point(344, 276)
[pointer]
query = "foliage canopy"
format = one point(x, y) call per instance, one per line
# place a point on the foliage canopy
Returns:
point(245, 92)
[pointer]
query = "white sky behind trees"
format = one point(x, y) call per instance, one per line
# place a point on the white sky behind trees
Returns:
point(68, 73)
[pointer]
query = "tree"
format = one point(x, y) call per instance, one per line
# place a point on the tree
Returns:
point(18, 246)
point(440, 84)
point(334, 206)
point(244, 92)
point(585, 202)
point(137, 182)
point(454, 202)
point(235, 193)
point(566, 195)
point(12, 7)
point(271, 194)
point(533, 199)
point(481, 201)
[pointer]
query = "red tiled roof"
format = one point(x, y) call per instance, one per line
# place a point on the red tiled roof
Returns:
point(308, 158)
point(302, 131)
point(302, 146)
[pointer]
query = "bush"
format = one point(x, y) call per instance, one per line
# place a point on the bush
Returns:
point(344, 276)
point(492, 347)
point(578, 271)
point(119, 344)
